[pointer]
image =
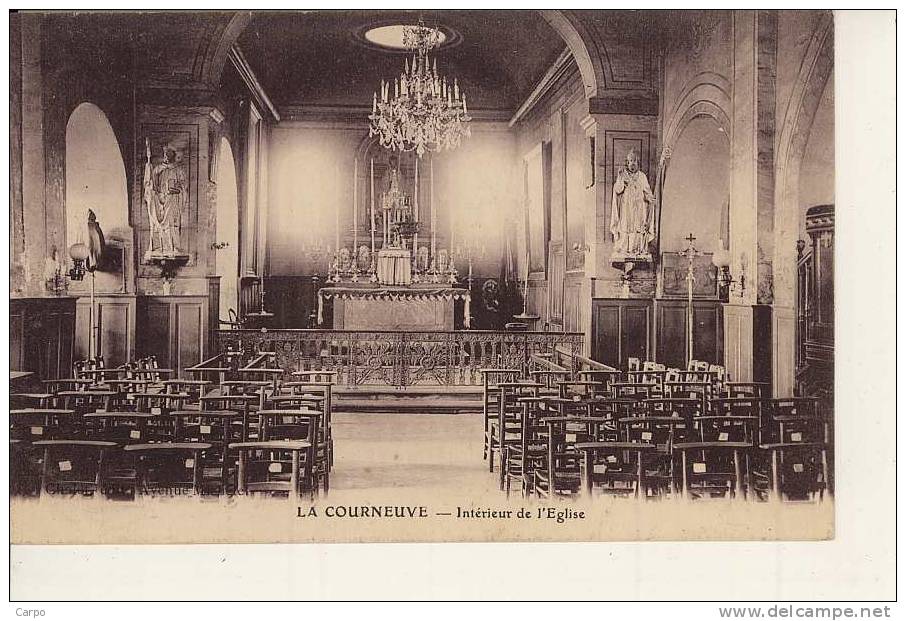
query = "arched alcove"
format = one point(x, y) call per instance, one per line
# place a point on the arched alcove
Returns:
point(816, 173)
point(95, 176)
point(696, 188)
point(96, 181)
point(227, 257)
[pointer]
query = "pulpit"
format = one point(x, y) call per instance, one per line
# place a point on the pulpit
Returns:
point(416, 308)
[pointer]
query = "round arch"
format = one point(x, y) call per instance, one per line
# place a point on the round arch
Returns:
point(816, 69)
point(573, 34)
point(808, 89)
point(95, 175)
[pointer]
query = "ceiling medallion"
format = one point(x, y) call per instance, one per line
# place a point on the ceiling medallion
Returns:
point(423, 112)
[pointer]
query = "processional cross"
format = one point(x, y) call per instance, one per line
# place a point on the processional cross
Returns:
point(690, 253)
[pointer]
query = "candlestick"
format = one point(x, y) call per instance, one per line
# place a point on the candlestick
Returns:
point(372, 206)
point(355, 209)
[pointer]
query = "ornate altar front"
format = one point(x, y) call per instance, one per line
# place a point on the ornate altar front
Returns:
point(418, 307)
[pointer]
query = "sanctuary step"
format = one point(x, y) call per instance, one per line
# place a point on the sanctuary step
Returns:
point(416, 399)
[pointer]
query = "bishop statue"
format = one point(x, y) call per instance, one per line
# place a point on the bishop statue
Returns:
point(632, 214)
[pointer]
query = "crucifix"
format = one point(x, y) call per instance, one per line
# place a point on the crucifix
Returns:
point(690, 253)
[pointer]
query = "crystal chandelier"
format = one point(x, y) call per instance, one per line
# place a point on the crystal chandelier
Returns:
point(423, 112)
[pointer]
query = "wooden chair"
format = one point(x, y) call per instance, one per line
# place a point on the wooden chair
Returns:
point(581, 389)
point(660, 423)
point(549, 379)
point(718, 460)
point(605, 377)
point(120, 427)
point(193, 390)
point(219, 429)
point(262, 463)
point(22, 400)
point(798, 449)
point(298, 425)
point(31, 425)
point(522, 457)
point(168, 468)
point(73, 466)
point(84, 401)
point(614, 467)
point(491, 403)
point(504, 427)
point(559, 472)
point(55, 386)
point(319, 397)
point(632, 390)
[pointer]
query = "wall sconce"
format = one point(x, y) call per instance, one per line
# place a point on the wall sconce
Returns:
point(219, 245)
point(78, 252)
point(725, 280)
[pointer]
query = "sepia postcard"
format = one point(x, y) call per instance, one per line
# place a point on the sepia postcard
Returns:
point(409, 276)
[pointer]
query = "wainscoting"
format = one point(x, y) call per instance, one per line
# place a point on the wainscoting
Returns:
point(115, 323)
point(655, 330)
point(621, 329)
point(748, 343)
point(174, 329)
point(41, 336)
point(672, 341)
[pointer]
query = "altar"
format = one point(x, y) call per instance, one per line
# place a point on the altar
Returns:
point(416, 308)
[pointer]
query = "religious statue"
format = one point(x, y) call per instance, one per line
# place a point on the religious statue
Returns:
point(421, 259)
point(363, 259)
point(632, 216)
point(344, 260)
point(166, 198)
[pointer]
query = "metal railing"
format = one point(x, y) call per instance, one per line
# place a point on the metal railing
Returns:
point(399, 359)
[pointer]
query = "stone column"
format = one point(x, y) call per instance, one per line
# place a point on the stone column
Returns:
point(747, 316)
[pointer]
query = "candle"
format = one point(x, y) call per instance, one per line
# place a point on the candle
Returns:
point(415, 213)
point(336, 177)
point(355, 206)
point(433, 215)
point(372, 206)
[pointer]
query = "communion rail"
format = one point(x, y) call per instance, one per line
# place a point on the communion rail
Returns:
point(399, 359)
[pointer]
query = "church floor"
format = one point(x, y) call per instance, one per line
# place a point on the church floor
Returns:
point(408, 452)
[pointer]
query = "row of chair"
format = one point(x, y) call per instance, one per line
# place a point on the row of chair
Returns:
point(127, 431)
point(559, 436)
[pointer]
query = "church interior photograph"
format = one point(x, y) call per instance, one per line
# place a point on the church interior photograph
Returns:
point(356, 258)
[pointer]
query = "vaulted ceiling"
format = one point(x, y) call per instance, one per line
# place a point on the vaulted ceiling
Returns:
point(315, 58)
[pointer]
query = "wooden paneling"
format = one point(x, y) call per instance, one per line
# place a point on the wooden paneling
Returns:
point(174, 329)
point(672, 339)
point(115, 324)
point(190, 333)
point(41, 336)
point(784, 354)
point(621, 329)
point(748, 342)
